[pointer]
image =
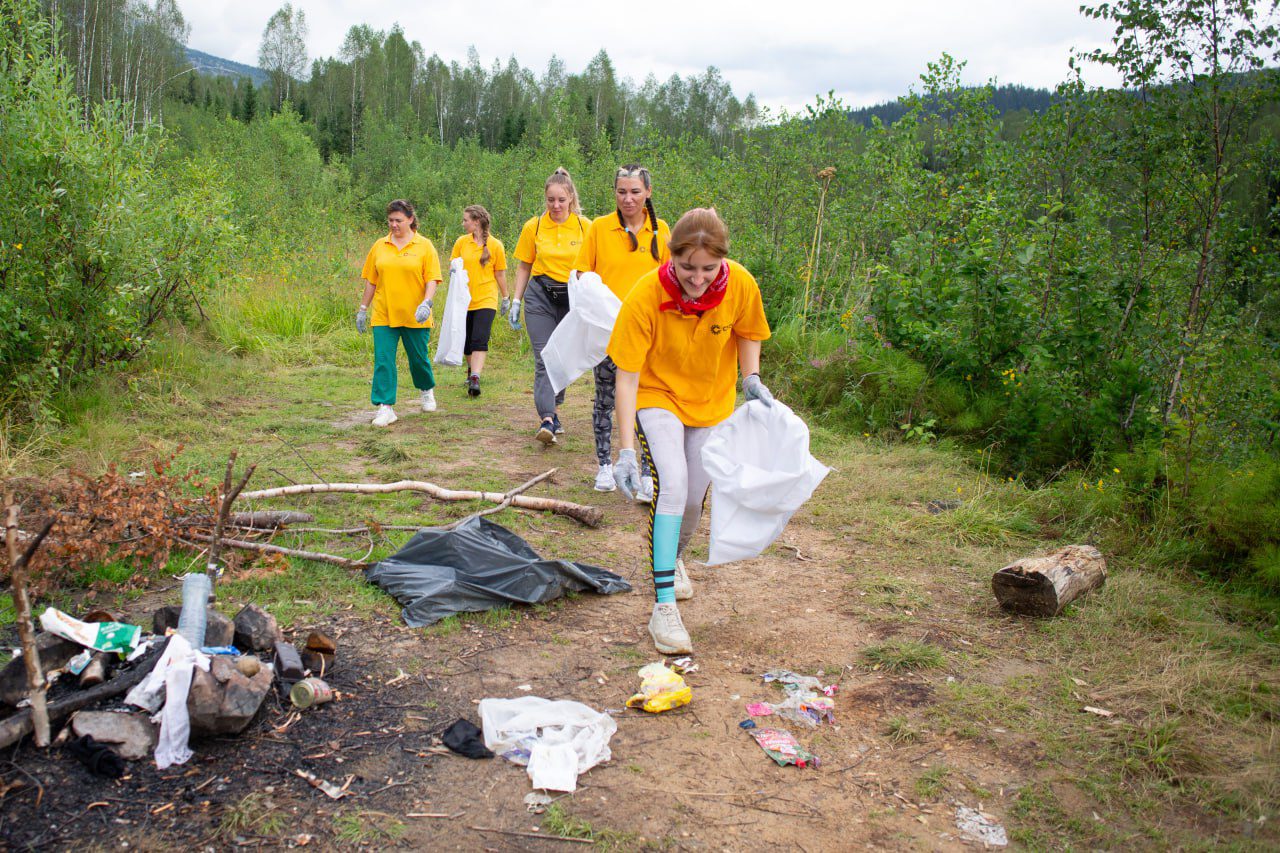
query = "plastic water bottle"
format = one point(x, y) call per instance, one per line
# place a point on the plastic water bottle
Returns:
point(195, 602)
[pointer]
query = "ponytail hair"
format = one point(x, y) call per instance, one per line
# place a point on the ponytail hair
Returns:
point(480, 215)
point(402, 206)
point(561, 177)
point(634, 170)
point(700, 228)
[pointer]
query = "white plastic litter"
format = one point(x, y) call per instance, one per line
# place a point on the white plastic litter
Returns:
point(557, 739)
point(170, 682)
point(103, 636)
point(581, 341)
point(452, 325)
point(761, 473)
point(980, 826)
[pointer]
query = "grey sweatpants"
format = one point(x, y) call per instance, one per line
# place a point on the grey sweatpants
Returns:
point(540, 319)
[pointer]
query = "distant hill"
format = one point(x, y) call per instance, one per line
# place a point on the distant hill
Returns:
point(216, 66)
point(1004, 98)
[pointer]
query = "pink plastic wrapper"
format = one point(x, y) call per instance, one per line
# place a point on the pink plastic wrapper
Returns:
point(759, 709)
point(782, 747)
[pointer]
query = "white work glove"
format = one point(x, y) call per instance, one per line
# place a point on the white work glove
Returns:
point(753, 389)
point(626, 473)
point(504, 306)
point(423, 314)
point(513, 316)
point(362, 320)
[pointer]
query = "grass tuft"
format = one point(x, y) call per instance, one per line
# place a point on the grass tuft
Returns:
point(901, 655)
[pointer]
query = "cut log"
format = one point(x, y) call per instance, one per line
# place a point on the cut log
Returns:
point(1042, 586)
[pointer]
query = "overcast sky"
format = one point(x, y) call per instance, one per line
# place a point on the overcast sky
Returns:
point(868, 52)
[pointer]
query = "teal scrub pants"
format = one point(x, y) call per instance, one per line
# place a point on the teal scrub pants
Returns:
point(384, 361)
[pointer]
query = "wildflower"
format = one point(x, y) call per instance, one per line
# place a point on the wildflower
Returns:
point(959, 490)
point(18, 246)
point(1116, 470)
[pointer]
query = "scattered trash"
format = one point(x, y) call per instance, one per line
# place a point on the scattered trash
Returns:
point(310, 691)
point(747, 724)
point(103, 636)
point(980, 826)
point(537, 801)
point(196, 590)
point(220, 650)
point(76, 665)
point(661, 689)
point(479, 565)
point(803, 703)
point(218, 629)
point(762, 472)
point(684, 666)
point(100, 759)
point(558, 740)
point(782, 747)
point(288, 663)
point(792, 682)
point(760, 709)
point(1101, 712)
point(465, 738)
point(329, 789)
point(132, 735)
point(169, 683)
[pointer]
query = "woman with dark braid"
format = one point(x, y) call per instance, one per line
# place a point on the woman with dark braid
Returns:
point(620, 248)
point(485, 260)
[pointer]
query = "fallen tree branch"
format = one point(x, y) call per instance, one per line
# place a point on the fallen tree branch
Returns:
point(506, 500)
point(263, 548)
point(229, 495)
point(19, 725)
point(587, 515)
point(36, 683)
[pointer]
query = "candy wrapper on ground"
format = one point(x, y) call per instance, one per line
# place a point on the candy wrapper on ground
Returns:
point(660, 690)
point(782, 747)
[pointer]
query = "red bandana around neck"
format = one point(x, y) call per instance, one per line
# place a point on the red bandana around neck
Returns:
point(712, 297)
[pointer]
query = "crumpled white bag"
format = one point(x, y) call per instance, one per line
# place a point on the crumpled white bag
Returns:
point(172, 678)
point(453, 321)
point(581, 340)
point(557, 739)
point(761, 473)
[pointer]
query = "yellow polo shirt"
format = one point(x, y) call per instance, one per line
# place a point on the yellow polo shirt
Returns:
point(400, 276)
point(688, 365)
point(482, 281)
point(550, 247)
point(607, 252)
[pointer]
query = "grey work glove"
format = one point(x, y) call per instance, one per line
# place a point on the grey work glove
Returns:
point(753, 389)
point(423, 314)
point(362, 319)
point(626, 473)
point(504, 306)
point(513, 315)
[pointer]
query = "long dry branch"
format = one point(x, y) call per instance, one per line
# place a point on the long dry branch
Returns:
point(263, 548)
point(588, 515)
point(506, 500)
point(36, 683)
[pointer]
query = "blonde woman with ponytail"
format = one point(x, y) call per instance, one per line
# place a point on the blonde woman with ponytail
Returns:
point(485, 260)
point(548, 246)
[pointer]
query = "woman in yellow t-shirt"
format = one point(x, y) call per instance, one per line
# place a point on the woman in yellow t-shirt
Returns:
point(401, 274)
point(485, 260)
point(546, 251)
point(620, 248)
point(683, 334)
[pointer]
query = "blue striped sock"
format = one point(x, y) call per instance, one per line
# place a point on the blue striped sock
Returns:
point(666, 539)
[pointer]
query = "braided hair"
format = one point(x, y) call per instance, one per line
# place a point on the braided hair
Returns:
point(634, 170)
point(480, 215)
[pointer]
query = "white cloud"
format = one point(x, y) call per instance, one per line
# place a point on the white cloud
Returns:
point(866, 52)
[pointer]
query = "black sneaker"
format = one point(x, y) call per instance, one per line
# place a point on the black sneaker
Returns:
point(473, 385)
point(546, 432)
point(555, 425)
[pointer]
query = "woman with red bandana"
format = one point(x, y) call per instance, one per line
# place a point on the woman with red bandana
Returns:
point(684, 332)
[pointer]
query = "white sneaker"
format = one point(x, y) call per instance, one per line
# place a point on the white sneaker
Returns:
point(429, 400)
point(683, 586)
point(604, 479)
point(669, 635)
point(386, 416)
point(645, 495)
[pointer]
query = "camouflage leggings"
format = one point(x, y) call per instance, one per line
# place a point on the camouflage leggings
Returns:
point(606, 374)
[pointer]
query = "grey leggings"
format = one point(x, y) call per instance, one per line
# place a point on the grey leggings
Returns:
point(541, 318)
point(606, 375)
point(680, 482)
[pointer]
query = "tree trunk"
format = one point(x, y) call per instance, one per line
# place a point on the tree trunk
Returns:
point(1042, 586)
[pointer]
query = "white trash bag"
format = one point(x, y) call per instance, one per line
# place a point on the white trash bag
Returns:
point(761, 472)
point(581, 341)
point(452, 324)
point(558, 740)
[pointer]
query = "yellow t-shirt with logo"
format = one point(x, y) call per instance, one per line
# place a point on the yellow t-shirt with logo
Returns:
point(688, 365)
point(400, 277)
point(550, 247)
point(482, 281)
point(607, 252)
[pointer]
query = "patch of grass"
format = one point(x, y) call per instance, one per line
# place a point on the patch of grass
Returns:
point(362, 827)
point(497, 619)
point(557, 821)
point(384, 451)
point(932, 783)
point(254, 813)
point(983, 520)
point(902, 655)
point(446, 627)
point(307, 591)
point(628, 654)
point(899, 730)
point(883, 590)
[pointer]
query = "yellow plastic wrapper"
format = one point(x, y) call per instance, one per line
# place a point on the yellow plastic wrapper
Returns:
point(660, 690)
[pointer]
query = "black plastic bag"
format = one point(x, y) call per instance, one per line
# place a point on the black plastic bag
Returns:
point(479, 566)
